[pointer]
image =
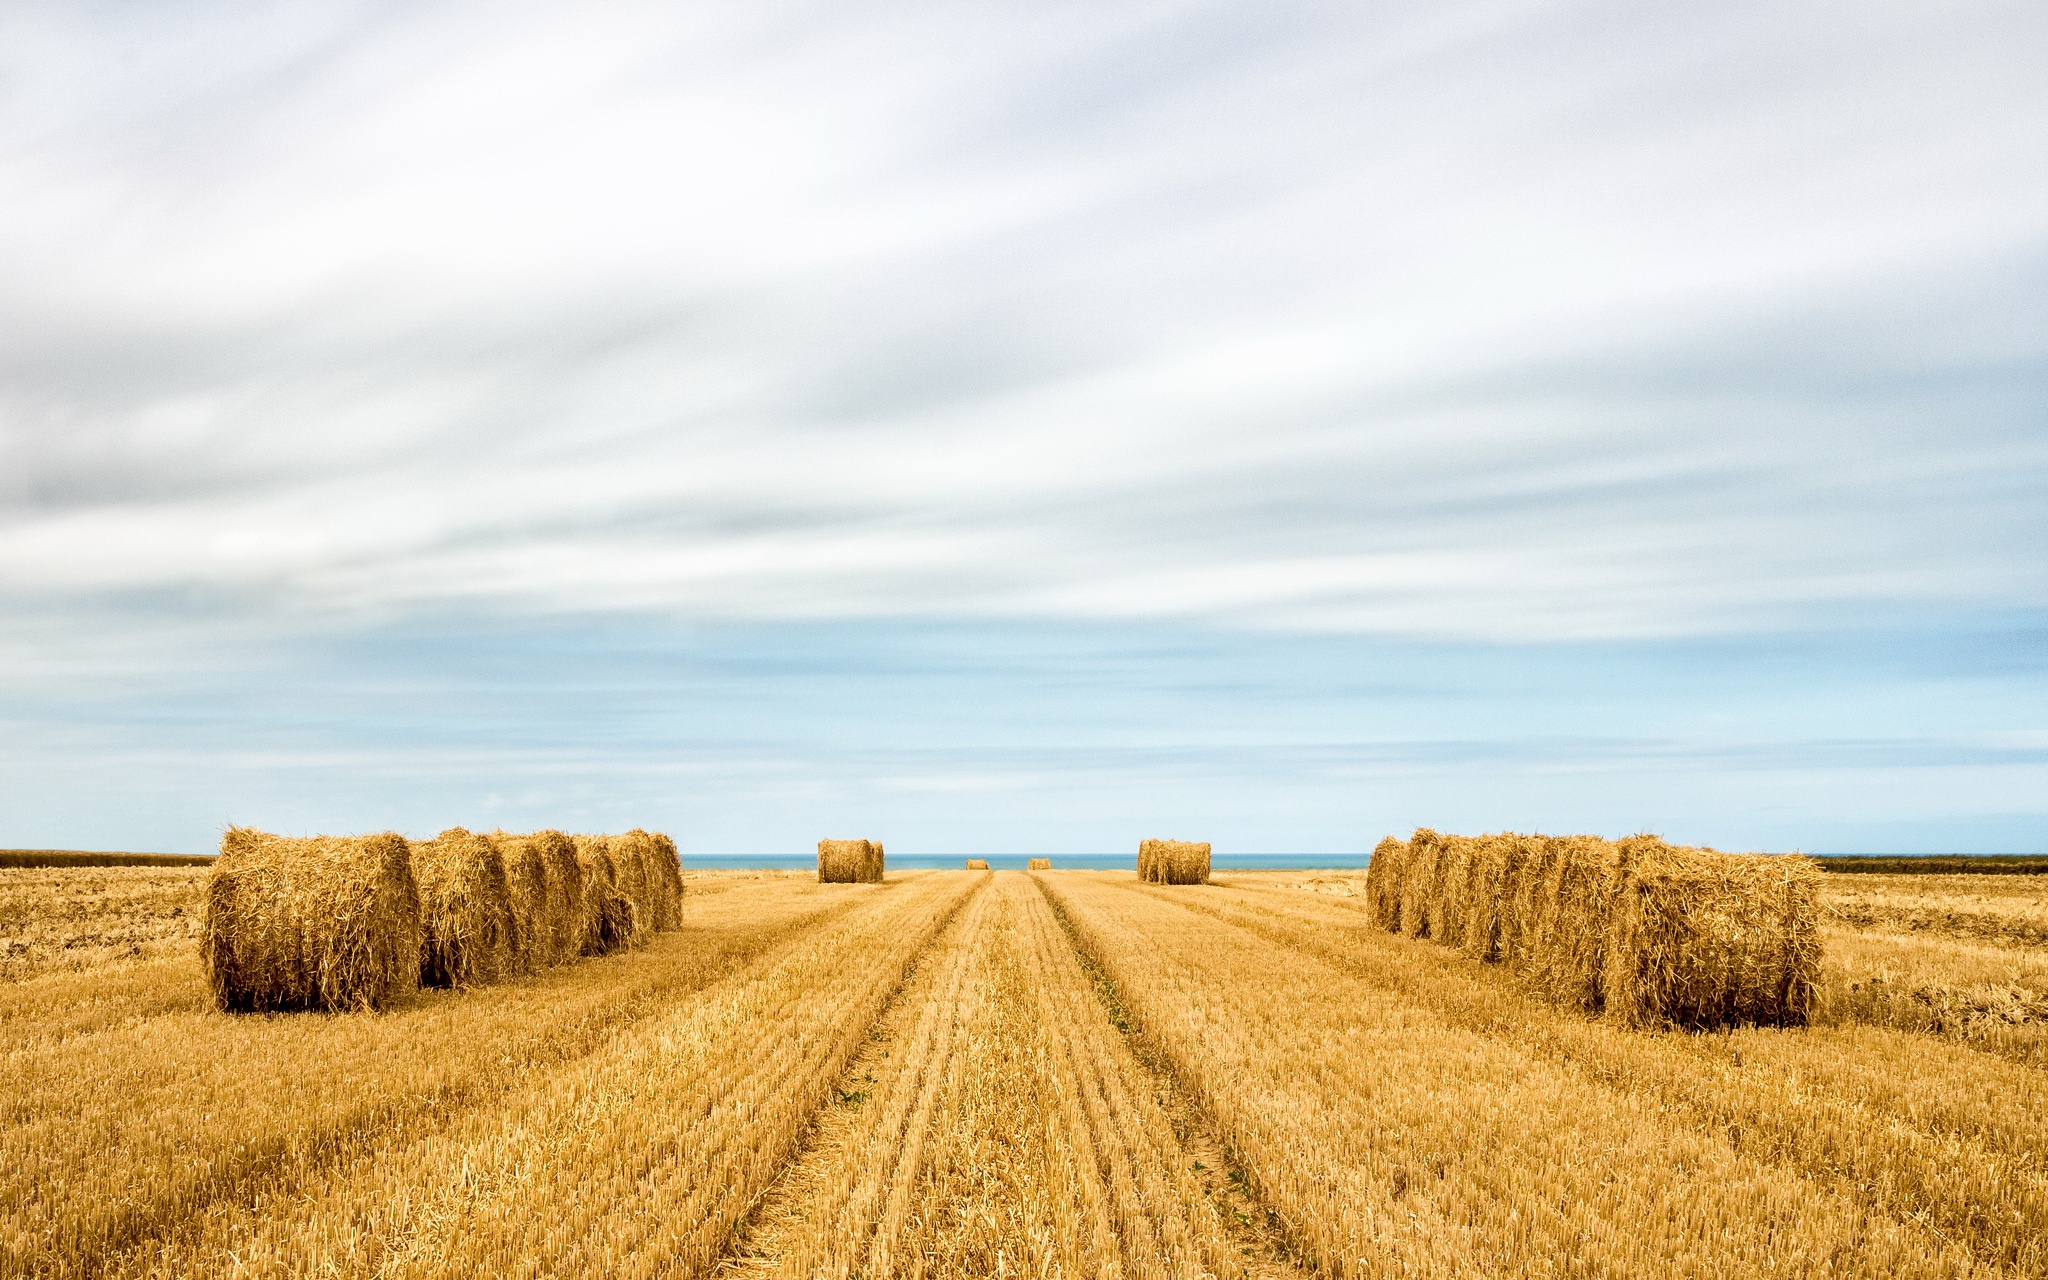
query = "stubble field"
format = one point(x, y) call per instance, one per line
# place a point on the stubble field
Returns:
point(1058, 1073)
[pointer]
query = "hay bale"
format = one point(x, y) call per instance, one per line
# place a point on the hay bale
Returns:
point(1173, 862)
point(669, 860)
point(531, 944)
point(655, 889)
point(977, 864)
point(330, 922)
point(1039, 864)
point(1707, 939)
point(1384, 879)
point(1493, 878)
point(849, 862)
point(1420, 870)
point(610, 919)
point(466, 925)
point(549, 925)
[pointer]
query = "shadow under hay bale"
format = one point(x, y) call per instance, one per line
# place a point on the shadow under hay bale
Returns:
point(547, 917)
point(1646, 932)
point(611, 920)
point(328, 922)
point(1039, 864)
point(466, 926)
point(849, 862)
point(1173, 862)
point(977, 864)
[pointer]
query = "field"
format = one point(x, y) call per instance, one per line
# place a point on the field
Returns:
point(1055, 1073)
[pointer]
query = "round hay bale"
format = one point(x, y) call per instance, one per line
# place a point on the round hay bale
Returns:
point(549, 922)
point(1384, 877)
point(610, 920)
point(630, 875)
point(661, 873)
point(1039, 864)
point(670, 862)
point(977, 864)
point(531, 944)
point(849, 862)
point(466, 924)
point(330, 922)
point(1173, 862)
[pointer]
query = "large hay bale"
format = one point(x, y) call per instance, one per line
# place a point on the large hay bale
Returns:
point(630, 874)
point(849, 862)
point(465, 910)
point(977, 864)
point(551, 927)
point(611, 920)
point(1173, 861)
point(1039, 864)
point(1706, 939)
point(330, 922)
point(1493, 877)
point(656, 889)
point(1420, 869)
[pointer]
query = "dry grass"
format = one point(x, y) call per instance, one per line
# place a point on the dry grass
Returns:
point(135, 1116)
point(58, 919)
point(923, 1078)
point(634, 1160)
point(1404, 1113)
point(2008, 909)
point(319, 923)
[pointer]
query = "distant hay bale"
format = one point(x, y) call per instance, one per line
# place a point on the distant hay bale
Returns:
point(610, 919)
point(549, 926)
point(849, 862)
point(1645, 932)
point(466, 924)
point(330, 922)
point(1173, 862)
point(977, 864)
point(1039, 864)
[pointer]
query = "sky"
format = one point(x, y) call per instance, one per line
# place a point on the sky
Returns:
point(1025, 427)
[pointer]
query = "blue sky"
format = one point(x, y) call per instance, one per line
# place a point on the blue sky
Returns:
point(1025, 427)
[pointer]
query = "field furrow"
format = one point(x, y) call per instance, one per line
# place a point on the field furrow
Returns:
point(635, 1160)
point(998, 1125)
point(1917, 1128)
point(1394, 1141)
point(116, 1135)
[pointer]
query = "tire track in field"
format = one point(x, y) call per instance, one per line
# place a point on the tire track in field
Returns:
point(996, 1124)
point(1910, 1133)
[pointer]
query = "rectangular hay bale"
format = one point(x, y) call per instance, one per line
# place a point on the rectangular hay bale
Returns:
point(849, 862)
point(1173, 862)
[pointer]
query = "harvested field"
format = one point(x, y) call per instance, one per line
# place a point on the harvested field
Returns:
point(1060, 1073)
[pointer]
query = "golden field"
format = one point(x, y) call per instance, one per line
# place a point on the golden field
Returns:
point(1054, 1073)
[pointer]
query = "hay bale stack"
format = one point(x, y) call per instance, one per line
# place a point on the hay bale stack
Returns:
point(1705, 939)
point(977, 864)
point(1646, 932)
point(550, 924)
point(466, 924)
point(330, 922)
point(849, 862)
point(1039, 864)
point(610, 919)
point(1173, 862)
